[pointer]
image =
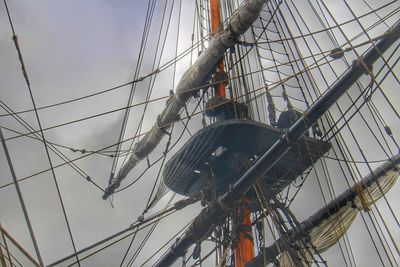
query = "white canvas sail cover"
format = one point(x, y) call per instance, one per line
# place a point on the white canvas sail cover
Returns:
point(194, 77)
point(331, 230)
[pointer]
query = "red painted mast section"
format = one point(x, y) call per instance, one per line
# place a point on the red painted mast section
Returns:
point(244, 251)
point(215, 26)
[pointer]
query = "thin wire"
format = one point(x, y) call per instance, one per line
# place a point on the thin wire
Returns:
point(166, 243)
point(163, 156)
point(184, 53)
point(362, 153)
point(148, 20)
point(129, 247)
point(147, 205)
point(352, 134)
point(21, 199)
point(6, 247)
point(9, 257)
point(41, 131)
point(274, 85)
point(139, 225)
point(144, 241)
point(51, 145)
point(193, 89)
point(300, 16)
point(160, 48)
point(311, 67)
point(116, 241)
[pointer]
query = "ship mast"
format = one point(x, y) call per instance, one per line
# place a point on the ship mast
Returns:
point(193, 79)
point(244, 250)
point(203, 224)
point(215, 14)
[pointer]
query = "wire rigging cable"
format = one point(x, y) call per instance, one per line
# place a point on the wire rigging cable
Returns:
point(294, 74)
point(146, 222)
point(25, 74)
point(353, 136)
point(21, 200)
point(360, 148)
point(52, 146)
point(194, 89)
point(161, 42)
point(149, 17)
point(316, 65)
point(189, 51)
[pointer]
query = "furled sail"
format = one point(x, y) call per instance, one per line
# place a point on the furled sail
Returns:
point(330, 223)
point(194, 77)
point(323, 236)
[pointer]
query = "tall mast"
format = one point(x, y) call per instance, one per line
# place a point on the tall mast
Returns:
point(215, 13)
point(204, 222)
point(194, 78)
point(244, 250)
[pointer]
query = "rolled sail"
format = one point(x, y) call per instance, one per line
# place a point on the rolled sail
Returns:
point(194, 77)
point(329, 224)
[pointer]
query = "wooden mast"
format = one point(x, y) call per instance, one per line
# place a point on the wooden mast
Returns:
point(215, 26)
point(244, 251)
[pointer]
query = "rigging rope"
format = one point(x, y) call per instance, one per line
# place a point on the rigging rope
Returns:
point(190, 90)
point(52, 146)
point(139, 224)
point(25, 74)
point(309, 68)
point(346, 123)
point(120, 141)
point(189, 51)
point(146, 30)
point(21, 200)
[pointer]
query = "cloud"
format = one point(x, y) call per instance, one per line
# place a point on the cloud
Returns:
point(75, 48)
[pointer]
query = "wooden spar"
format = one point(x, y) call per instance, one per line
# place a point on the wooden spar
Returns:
point(196, 76)
point(348, 196)
point(215, 16)
point(218, 209)
point(215, 27)
point(244, 251)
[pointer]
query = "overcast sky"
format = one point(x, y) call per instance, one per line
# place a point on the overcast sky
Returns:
point(74, 48)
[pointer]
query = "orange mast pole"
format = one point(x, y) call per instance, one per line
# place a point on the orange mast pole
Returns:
point(215, 25)
point(244, 252)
